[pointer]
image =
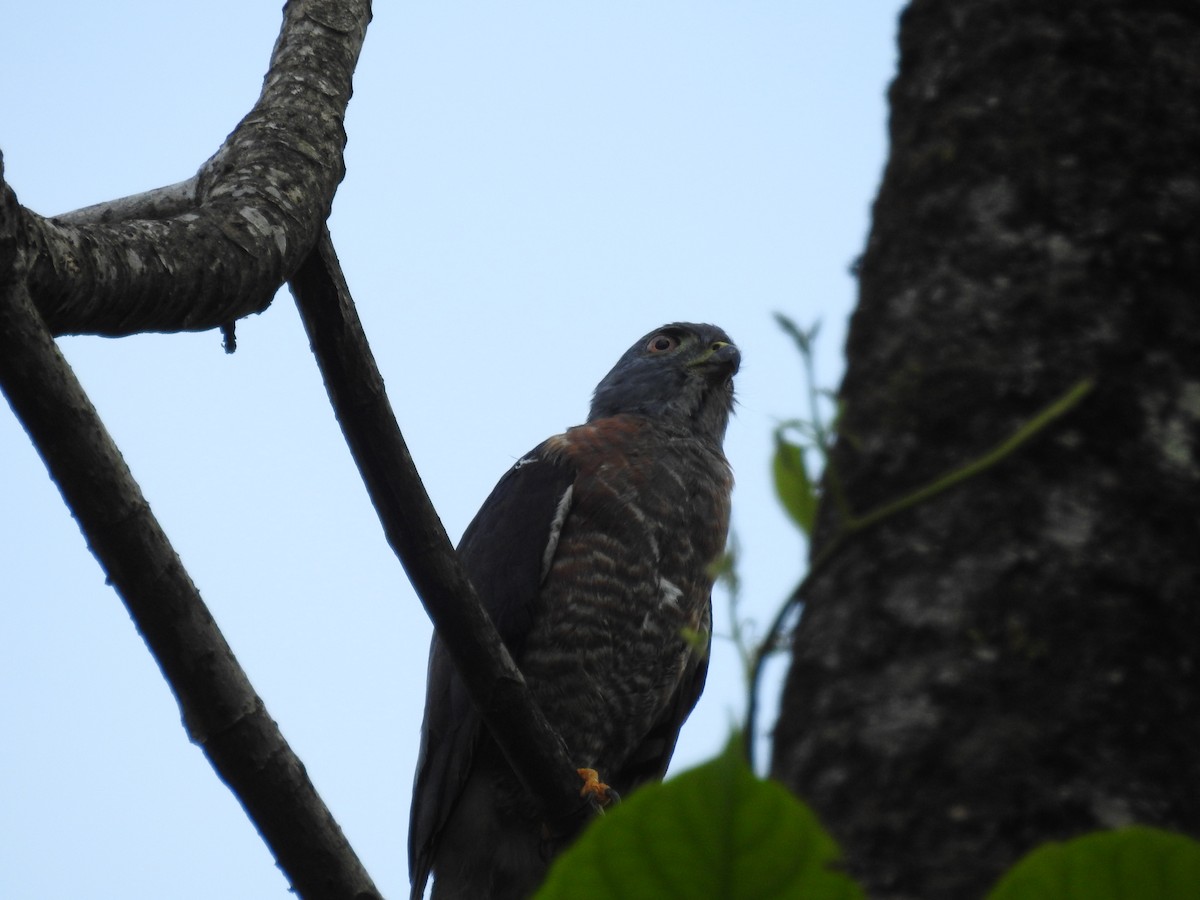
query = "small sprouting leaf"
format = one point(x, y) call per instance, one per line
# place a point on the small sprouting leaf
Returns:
point(1136, 863)
point(713, 833)
point(793, 485)
point(803, 339)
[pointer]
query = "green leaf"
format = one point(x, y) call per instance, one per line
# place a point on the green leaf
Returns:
point(1136, 863)
point(713, 832)
point(804, 339)
point(793, 485)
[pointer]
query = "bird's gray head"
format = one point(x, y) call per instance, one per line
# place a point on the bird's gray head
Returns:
point(680, 374)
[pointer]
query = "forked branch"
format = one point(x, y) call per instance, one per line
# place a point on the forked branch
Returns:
point(197, 255)
point(222, 712)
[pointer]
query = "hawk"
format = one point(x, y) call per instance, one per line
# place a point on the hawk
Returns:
point(593, 556)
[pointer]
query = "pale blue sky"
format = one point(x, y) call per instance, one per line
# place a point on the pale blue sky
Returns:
point(531, 187)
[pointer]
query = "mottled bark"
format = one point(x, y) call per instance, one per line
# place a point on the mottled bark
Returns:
point(217, 248)
point(1017, 659)
point(190, 256)
point(221, 710)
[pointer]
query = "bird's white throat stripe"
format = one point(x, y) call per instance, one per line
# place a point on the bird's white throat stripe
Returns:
point(556, 527)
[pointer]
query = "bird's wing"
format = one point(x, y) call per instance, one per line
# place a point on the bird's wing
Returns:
point(505, 550)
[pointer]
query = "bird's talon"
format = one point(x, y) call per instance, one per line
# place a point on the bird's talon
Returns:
point(595, 790)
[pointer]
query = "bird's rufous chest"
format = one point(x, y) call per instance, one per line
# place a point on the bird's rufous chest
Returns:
point(653, 498)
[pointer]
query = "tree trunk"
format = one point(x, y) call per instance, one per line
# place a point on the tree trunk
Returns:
point(1016, 659)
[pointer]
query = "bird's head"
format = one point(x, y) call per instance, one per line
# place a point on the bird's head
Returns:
point(679, 374)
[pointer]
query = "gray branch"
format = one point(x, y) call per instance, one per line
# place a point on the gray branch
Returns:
point(160, 203)
point(221, 710)
point(414, 531)
point(167, 261)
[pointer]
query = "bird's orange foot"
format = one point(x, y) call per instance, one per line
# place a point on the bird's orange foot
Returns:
point(596, 791)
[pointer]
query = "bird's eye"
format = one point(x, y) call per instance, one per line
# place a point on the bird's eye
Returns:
point(661, 343)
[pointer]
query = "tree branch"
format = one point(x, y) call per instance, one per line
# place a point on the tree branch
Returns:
point(415, 533)
point(260, 202)
point(221, 711)
point(160, 203)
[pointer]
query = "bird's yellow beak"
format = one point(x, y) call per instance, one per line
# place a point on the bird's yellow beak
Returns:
point(720, 354)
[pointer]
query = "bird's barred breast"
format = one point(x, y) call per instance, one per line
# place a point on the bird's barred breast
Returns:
point(631, 572)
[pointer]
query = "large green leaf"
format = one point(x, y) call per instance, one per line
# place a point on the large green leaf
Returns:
point(793, 485)
point(1135, 863)
point(714, 832)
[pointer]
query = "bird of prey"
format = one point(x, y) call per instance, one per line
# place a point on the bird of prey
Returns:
point(594, 558)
